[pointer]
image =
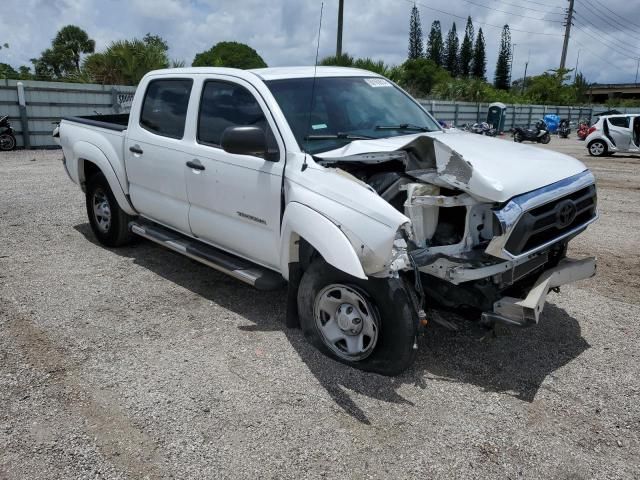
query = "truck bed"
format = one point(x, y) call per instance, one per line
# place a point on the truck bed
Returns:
point(117, 122)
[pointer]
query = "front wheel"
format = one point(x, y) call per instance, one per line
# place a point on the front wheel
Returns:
point(546, 138)
point(517, 137)
point(597, 148)
point(7, 142)
point(366, 324)
point(110, 224)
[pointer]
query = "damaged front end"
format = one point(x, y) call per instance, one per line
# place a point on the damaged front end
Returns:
point(477, 250)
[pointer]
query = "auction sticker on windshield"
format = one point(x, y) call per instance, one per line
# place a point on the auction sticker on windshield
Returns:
point(377, 82)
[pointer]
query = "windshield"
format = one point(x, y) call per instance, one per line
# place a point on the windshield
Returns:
point(346, 109)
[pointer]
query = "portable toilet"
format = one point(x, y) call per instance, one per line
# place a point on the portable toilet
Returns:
point(496, 115)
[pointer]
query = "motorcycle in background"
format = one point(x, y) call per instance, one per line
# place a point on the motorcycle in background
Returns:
point(583, 130)
point(540, 133)
point(483, 128)
point(564, 128)
point(7, 137)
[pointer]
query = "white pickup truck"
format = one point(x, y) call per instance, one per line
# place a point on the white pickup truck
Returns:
point(338, 182)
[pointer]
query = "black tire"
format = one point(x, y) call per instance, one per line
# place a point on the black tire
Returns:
point(596, 151)
point(7, 142)
point(517, 137)
point(116, 233)
point(546, 138)
point(397, 321)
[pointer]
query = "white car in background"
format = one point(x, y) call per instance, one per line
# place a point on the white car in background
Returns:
point(614, 133)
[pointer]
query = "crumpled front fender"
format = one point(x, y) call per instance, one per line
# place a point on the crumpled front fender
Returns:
point(325, 236)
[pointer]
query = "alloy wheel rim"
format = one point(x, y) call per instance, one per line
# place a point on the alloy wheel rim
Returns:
point(347, 322)
point(101, 210)
point(597, 148)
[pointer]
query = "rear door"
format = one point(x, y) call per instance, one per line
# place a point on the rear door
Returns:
point(235, 199)
point(154, 152)
point(620, 132)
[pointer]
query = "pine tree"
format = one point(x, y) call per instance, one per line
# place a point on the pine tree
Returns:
point(451, 51)
point(416, 49)
point(466, 50)
point(503, 65)
point(435, 45)
point(479, 67)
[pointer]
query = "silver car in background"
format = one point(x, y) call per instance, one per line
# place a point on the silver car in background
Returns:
point(614, 133)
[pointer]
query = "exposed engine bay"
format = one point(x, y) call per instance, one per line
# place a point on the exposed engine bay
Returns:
point(451, 229)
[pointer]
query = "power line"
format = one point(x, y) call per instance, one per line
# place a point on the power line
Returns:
point(603, 42)
point(545, 4)
point(510, 13)
point(532, 9)
point(481, 23)
point(603, 16)
point(619, 16)
point(604, 38)
point(604, 19)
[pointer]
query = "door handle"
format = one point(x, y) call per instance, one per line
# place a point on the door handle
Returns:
point(136, 149)
point(195, 164)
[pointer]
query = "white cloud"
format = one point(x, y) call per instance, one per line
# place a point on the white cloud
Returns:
point(284, 31)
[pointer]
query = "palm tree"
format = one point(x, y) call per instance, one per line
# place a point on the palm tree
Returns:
point(72, 41)
point(126, 62)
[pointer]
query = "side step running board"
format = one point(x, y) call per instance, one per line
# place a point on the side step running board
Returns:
point(244, 270)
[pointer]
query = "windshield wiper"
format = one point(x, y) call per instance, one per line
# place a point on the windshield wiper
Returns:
point(339, 136)
point(403, 126)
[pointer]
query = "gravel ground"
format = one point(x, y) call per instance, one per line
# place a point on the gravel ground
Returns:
point(139, 363)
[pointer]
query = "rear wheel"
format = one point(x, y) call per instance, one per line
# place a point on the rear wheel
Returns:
point(517, 137)
point(110, 224)
point(366, 324)
point(546, 138)
point(7, 142)
point(597, 148)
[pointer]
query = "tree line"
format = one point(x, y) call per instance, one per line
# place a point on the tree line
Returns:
point(437, 66)
point(72, 58)
point(442, 67)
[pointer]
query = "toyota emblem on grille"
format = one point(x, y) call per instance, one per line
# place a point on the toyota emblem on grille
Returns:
point(565, 213)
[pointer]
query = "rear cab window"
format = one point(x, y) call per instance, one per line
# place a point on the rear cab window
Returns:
point(164, 108)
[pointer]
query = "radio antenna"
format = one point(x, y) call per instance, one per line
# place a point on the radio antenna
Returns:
point(313, 86)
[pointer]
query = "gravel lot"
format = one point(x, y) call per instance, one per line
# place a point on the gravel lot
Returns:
point(139, 363)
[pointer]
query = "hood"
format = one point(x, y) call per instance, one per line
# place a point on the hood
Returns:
point(490, 168)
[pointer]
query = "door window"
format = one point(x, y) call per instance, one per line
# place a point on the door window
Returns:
point(619, 122)
point(225, 104)
point(164, 109)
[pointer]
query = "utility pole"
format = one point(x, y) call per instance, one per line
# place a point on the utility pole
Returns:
point(339, 39)
point(575, 72)
point(567, 32)
point(637, 67)
point(524, 79)
point(513, 51)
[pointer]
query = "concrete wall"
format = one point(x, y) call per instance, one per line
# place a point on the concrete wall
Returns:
point(48, 102)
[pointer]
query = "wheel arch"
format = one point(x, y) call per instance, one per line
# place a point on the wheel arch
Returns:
point(302, 226)
point(91, 160)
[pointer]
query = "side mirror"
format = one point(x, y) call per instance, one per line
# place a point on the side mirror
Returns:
point(246, 140)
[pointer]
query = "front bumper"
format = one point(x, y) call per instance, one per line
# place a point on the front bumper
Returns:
point(523, 312)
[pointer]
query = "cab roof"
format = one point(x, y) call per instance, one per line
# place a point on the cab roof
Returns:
point(273, 73)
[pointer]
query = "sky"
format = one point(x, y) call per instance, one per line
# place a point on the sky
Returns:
point(606, 34)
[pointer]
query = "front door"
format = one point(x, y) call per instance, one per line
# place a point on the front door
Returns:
point(154, 153)
point(620, 132)
point(235, 199)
